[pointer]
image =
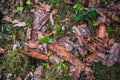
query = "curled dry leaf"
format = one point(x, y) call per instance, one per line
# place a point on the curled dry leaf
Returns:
point(35, 54)
point(60, 51)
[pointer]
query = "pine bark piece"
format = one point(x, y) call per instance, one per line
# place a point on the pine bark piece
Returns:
point(35, 54)
point(60, 51)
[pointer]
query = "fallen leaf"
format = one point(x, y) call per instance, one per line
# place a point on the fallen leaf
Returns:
point(51, 19)
point(18, 23)
point(54, 11)
point(102, 31)
point(35, 54)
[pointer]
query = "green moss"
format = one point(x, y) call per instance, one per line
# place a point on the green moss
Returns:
point(15, 62)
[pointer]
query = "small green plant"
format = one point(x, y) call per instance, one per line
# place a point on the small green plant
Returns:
point(21, 7)
point(57, 31)
point(78, 7)
point(62, 65)
point(84, 16)
point(45, 40)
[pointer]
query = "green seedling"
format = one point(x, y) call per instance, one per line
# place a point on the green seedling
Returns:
point(57, 31)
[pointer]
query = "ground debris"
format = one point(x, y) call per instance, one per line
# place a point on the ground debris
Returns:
point(60, 51)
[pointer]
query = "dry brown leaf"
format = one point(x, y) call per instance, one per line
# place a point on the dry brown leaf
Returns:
point(35, 54)
point(32, 44)
point(7, 18)
point(60, 51)
point(43, 7)
point(91, 57)
point(54, 11)
point(102, 31)
point(2, 50)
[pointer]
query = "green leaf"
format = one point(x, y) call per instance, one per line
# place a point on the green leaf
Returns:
point(51, 57)
point(28, 2)
point(95, 23)
point(65, 67)
point(20, 9)
point(79, 17)
point(21, 4)
point(59, 66)
point(45, 40)
point(58, 28)
point(78, 7)
point(62, 60)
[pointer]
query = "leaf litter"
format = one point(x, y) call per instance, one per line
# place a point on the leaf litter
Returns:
point(92, 49)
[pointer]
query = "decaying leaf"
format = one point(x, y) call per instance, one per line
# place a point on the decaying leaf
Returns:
point(40, 19)
point(35, 54)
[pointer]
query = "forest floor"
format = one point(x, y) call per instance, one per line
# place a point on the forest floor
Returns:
point(59, 40)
